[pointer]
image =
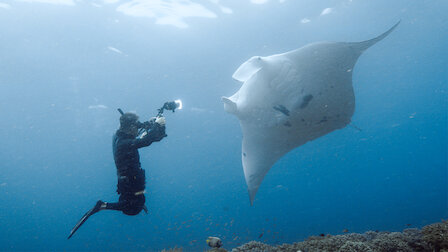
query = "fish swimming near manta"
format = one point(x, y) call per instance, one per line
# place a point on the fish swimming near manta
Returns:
point(291, 98)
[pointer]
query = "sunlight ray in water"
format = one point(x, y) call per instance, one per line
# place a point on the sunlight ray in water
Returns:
point(168, 13)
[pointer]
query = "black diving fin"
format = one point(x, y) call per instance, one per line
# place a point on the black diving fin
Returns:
point(99, 206)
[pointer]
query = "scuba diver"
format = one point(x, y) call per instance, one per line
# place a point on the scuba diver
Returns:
point(131, 136)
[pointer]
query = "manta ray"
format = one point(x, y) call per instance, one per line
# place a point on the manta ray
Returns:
point(289, 99)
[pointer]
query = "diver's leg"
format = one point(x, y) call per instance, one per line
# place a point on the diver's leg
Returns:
point(115, 206)
point(120, 205)
point(136, 203)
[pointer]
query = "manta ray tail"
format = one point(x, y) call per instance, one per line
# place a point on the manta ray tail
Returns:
point(362, 46)
point(252, 193)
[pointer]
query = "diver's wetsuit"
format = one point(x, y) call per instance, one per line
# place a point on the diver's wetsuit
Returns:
point(131, 177)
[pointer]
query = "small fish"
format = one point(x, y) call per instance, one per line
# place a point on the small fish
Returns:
point(261, 235)
point(345, 230)
point(214, 242)
point(322, 235)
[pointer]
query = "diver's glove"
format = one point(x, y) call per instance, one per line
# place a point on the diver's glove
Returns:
point(145, 125)
point(160, 120)
point(150, 123)
point(157, 132)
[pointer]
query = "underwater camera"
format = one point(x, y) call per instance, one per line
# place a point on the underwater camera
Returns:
point(172, 105)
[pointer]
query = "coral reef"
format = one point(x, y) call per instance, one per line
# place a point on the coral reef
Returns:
point(217, 250)
point(172, 250)
point(430, 238)
point(254, 246)
point(436, 235)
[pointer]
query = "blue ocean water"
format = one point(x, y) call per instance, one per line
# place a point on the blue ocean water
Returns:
point(65, 66)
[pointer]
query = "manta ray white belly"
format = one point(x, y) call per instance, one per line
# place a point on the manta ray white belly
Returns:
point(289, 99)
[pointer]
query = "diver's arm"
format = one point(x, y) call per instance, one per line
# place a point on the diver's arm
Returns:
point(156, 134)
